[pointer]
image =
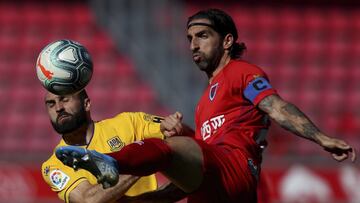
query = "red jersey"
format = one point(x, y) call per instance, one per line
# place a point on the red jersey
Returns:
point(230, 103)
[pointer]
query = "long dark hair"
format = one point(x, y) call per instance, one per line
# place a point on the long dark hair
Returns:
point(223, 24)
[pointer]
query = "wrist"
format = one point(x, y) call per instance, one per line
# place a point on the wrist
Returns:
point(320, 139)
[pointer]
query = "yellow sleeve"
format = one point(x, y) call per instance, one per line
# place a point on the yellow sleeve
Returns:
point(63, 179)
point(144, 125)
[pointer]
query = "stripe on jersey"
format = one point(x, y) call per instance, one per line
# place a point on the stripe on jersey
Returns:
point(255, 87)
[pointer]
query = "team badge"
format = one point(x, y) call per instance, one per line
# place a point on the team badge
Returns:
point(115, 143)
point(212, 92)
point(59, 179)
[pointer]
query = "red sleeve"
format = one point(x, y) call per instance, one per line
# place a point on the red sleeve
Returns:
point(254, 82)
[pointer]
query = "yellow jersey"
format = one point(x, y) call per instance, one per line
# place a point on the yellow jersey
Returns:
point(109, 135)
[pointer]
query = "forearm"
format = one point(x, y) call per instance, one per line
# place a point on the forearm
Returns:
point(291, 118)
point(97, 194)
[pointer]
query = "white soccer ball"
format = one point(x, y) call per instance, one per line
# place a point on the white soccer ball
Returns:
point(64, 67)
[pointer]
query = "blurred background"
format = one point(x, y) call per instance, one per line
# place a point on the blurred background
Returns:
point(309, 49)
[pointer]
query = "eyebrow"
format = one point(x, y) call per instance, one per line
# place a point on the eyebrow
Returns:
point(48, 101)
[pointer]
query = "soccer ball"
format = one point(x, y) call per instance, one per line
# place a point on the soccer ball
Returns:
point(64, 67)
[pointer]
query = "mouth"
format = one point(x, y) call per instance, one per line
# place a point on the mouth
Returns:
point(61, 118)
point(196, 57)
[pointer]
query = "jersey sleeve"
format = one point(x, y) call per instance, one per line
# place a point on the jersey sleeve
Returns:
point(145, 125)
point(62, 179)
point(256, 85)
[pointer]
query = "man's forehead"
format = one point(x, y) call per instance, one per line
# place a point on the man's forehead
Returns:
point(51, 96)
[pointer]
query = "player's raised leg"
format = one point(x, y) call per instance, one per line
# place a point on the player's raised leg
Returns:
point(178, 158)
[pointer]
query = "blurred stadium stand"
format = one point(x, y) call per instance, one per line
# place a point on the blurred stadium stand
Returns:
point(310, 52)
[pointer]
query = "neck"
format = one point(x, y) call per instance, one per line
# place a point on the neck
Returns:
point(81, 136)
point(225, 59)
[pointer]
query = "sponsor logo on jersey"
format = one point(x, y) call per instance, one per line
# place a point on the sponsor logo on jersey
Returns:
point(59, 179)
point(212, 92)
point(210, 126)
point(115, 143)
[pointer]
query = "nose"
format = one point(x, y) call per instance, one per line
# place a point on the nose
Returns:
point(59, 107)
point(194, 45)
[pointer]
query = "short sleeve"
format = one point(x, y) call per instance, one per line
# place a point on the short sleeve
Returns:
point(258, 89)
point(256, 85)
point(62, 179)
point(144, 125)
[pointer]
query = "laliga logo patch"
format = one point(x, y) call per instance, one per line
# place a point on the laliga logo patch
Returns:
point(59, 179)
point(212, 92)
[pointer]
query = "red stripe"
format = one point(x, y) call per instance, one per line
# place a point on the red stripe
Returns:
point(47, 73)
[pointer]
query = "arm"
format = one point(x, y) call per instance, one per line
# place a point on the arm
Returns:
point(85, 192)
point(166, 194)
point(295, 121)
point(172, 126)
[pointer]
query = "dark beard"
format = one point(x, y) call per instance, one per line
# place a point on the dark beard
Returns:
point(210, 65)
point(75, 122)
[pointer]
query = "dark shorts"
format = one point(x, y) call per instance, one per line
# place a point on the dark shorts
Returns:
point(229, 176)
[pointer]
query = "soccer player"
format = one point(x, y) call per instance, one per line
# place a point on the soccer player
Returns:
point(70, 117)
point(223, 161)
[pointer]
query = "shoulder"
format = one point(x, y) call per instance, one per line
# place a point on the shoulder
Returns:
point(45, 166)
point(125, 116)
point(242, 67)
point(52, 160)
point(121, 117)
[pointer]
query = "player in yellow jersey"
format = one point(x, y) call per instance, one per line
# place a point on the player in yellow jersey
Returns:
point(70, 117)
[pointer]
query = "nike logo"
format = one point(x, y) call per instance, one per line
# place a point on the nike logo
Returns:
point(47, 73)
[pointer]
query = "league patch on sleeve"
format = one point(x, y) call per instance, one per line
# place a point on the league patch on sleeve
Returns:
point(59, 179)
point(255, 87)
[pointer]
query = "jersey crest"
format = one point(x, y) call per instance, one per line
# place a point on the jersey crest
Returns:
point(212, 91)
point(115, 143)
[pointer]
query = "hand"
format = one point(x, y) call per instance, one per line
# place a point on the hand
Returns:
point(171, 125)
point(339, 149)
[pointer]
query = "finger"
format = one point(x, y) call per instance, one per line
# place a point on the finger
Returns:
point(340, 157)
point(353, 155)
point(178, 129)
point(342, 145)
point(178, 115)
point(167, 134)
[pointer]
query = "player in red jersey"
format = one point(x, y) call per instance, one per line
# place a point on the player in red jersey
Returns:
point(222, 163)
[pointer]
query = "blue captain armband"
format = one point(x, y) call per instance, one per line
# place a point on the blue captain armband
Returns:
point(255, 87)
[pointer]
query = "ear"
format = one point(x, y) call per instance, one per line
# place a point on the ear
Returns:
point(87, 104)
point(228, 41)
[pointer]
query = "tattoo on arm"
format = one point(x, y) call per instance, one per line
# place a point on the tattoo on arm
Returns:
point(286, 124)
point(310, 129)
point(289, 117)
